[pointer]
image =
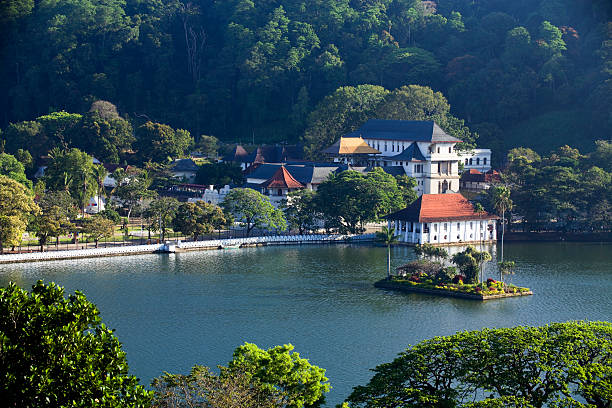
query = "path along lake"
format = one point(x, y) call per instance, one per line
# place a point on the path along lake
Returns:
point(174, 311)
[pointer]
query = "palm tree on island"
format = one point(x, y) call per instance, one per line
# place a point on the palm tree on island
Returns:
point(502, 203)
point(387, 237)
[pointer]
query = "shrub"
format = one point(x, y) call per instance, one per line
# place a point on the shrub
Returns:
point(459, 279)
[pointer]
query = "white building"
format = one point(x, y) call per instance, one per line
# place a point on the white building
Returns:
point(442, 219)
point(421, 148)
point(212, 195)
point(477, 159)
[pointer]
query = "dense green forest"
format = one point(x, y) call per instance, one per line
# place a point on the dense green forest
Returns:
point(534, 73)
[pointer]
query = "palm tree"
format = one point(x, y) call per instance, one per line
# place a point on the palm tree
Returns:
point(502, 203)
point(387, 237)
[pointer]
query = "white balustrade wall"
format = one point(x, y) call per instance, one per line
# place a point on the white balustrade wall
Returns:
point(143, 249)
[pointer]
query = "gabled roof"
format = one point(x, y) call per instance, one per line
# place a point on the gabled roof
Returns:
point(406, 130)
point(184, 165)
point(275, 154)
point(350, 145)
point(282, 179)
point(474, 175)
point(440, 207)
point(411, 153)
point(314, 173)
point(238, 155)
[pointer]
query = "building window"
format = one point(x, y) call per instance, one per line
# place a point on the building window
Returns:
point(466, 161)
point(392, 147)
point(471, 226)
point(438, 150)
point(450, 149)
point(445, 226)
point(280, 192)
point(470, 162)
point(484, 161)
point(478, 161)
point(385, 146)
point(435, 227)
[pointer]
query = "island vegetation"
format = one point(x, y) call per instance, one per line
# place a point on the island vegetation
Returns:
point(432, 275)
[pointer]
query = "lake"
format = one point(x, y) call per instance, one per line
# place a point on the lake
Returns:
point(174, 311)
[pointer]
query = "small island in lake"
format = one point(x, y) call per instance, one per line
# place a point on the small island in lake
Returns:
point(433, 277)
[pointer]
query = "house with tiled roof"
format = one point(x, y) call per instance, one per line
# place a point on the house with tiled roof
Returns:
point(474, 180)
point(443, 219)
point(422, 148)
point(279, 185)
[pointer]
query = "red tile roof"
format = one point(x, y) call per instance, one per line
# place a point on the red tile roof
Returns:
point(439, 207)
point(282, 179)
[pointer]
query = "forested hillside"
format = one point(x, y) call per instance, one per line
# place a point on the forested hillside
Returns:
point(534, 73)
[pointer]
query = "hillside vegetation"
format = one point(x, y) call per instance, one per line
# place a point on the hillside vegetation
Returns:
point(256, 69)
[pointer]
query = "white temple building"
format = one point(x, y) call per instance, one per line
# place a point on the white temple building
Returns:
point(443, 219)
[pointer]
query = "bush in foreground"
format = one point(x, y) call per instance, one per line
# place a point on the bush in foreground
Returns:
point(561, 365)
point(55, 352)
point(255, 378)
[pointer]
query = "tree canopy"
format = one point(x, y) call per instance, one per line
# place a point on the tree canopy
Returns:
point(243, 69)
point(16, 205)
point(56, 351)
point(253, 210)
point(561, 364)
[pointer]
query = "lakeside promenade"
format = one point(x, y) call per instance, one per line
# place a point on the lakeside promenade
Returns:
point(178, 246)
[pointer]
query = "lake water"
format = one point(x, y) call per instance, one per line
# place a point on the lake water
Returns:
point(174, 311)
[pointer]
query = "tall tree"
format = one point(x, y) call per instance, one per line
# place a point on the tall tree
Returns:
point(10, 167)
point(16, 206)
point(132, 188)
point(387, 237)
point(162, 211)
point(502, 203)
point(161, 143)
point(253, 210)
point(198, 218)
point(72, 170)
point(301, 210)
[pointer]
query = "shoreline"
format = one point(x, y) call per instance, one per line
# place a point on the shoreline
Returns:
point(178, 247)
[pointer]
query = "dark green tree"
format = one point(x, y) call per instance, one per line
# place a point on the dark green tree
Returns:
point(301, 211)
point(555, 365)
point(253, 210)
point(161, 143)
point(73, 171)
point(198, 218)
point(57, 352)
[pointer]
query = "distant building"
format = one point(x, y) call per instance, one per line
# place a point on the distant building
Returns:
point(442, 219)
point(309, 175)
point(95, 205)
point(474, 180)
point(478, 159)
point(238, 155)
point(210, 195)
point(279, 185)
point(185, 170)
point(265, 154)
point(421, 148)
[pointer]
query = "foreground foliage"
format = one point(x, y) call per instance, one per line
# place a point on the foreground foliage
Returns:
point(56, 352)
point(259, 378)
point(560, 364)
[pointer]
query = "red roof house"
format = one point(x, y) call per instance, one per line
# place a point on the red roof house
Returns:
point(442, 219)
point(282, 179)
